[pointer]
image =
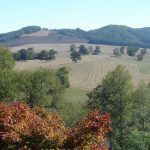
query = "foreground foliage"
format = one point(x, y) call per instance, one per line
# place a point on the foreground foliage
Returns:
point(23, 127)
point(90, 134)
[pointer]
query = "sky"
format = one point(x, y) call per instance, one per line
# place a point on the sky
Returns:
point(84, 14)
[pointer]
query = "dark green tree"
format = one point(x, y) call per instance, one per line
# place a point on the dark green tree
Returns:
point(122, 50)
point(143, 51)
point(51, 55)
point(24, 55)
point(39, 87)
point(6, 59)
point(116, 52)
point(43, 55)
point(141, 111)
point(7, 76)
point(97, 50)
point(139, 137)
point(31, 53)
point(72, 48)
point(140, 57)
point(113, 95)
point(83, 50)
point(142, 54)
point(62, 74)
point(75, 56)
point(16, 56)
point(90, 48)
point(135, 141)
point(131, 51)
point(47, 55)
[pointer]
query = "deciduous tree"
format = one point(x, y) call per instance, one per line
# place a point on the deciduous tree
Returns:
point(75, 56)
point(114, 95)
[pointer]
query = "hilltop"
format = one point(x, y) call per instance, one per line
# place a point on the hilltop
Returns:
point(108, 35)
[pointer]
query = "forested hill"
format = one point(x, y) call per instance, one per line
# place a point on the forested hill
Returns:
point(121, 35)
point(109, 35)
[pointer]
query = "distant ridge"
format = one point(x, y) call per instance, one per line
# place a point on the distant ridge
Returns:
point(108, 35)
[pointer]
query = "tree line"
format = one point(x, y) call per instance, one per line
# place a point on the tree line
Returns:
point(130, 51)
point(129, 109)
point(29, 54)
point(78, 52)
point(38, 87)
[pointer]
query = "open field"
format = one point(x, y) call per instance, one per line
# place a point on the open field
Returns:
point(71, 106)
point(84, 75)
point(90, 71)
point(76, 96)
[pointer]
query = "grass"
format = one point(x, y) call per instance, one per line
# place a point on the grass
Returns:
point(75, 96)
point(71, 107)
point(85, 75)
point(90, 71)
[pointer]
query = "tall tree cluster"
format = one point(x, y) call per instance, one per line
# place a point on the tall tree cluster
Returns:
point(39, 87)
point(129, 108)
point(82, 50)
point(29, 54)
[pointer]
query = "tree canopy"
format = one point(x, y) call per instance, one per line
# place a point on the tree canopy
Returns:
point(75, 56)
point(83, 50)
point(113, 95)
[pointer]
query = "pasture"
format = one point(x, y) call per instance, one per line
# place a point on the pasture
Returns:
point(85, 74)
point(89, 72)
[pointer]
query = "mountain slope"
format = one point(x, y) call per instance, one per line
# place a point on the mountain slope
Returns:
point(5, 37)
point(109, 35)
point(121, 35)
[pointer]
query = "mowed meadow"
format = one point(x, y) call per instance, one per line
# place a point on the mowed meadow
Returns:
point(88, 72)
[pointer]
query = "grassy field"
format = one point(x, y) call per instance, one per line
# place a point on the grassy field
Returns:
point(90, 71)
point(85, 75)
point(76, 96)
point(71, 107)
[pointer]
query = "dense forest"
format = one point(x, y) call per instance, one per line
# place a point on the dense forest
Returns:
point(108, 35)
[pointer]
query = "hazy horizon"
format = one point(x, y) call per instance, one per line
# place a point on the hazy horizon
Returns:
point(64, 14)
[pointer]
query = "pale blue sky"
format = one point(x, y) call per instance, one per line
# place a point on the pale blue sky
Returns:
point(84, 14)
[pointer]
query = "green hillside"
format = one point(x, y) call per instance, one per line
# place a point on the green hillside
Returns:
point(108, 35)
point(120, 35)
